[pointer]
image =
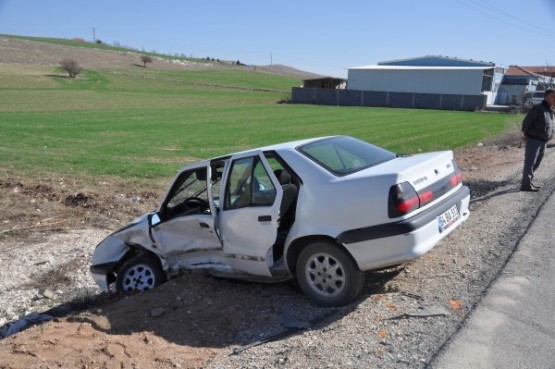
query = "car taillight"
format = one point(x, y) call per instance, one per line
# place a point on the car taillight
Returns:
point(426, 197)
point(455, 178)
point(402, 200)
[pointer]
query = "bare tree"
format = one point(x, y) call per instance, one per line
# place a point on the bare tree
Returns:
point(146, 59)
point(71, 67)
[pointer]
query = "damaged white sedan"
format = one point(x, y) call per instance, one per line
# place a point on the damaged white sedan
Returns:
point(320, 210)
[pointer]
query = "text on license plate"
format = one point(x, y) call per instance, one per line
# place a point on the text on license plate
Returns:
point(448, 218)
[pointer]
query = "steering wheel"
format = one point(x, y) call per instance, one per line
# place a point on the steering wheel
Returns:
point(194, 203)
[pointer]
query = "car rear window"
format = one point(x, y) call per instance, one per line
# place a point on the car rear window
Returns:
point(345, 155)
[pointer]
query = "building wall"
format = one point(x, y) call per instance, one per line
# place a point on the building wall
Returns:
point(511, 94)
point(320, 96)
point(514, 88)
point(431, 81)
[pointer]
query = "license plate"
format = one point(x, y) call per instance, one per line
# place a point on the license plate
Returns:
point(448, 218)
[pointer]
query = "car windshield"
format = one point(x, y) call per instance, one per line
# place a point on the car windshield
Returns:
point(345, 155)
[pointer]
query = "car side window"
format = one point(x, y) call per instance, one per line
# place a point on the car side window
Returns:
point(345, 155)
point(249, 185)
point(337, 159)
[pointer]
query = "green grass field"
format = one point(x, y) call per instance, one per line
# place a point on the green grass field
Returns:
point(141, 123)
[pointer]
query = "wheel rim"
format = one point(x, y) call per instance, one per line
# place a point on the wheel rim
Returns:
point(139, 277)
point(325, 275)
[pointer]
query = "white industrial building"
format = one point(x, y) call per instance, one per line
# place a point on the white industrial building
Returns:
point(428, 82)
point(429, 75)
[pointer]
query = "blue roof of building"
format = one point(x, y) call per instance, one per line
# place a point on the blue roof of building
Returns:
point(437, 61)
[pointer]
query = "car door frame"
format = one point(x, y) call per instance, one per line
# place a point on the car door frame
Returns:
point(191, 240)
point(236, 227)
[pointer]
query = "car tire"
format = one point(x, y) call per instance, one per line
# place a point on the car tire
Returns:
point(328, 275)
point(140, 273)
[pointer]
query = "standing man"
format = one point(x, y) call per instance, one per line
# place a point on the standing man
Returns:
point(538, 128)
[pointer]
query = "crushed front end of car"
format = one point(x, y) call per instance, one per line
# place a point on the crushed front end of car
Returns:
point(111, 251)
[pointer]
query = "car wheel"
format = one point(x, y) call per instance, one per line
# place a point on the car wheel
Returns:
point(140, 273)
point(328, 275)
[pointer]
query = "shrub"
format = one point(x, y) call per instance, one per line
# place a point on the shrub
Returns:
point(71, 67)
point(146, 59)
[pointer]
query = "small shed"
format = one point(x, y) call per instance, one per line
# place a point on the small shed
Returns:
point(325, 82)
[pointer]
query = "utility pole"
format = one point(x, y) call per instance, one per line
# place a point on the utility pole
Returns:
point(94, 35)
point(271, 61)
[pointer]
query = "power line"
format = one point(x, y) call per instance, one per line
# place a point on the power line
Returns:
point(503, 16)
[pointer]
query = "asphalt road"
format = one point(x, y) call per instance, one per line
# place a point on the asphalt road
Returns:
point(513, 326)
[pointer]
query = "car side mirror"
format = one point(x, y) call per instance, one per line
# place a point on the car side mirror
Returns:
point(155, 220)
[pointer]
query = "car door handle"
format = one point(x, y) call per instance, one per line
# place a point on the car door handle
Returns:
point(265, 218)
point(203, 225)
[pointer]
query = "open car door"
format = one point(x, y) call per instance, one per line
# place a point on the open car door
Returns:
point(248, 219)
point(185, 235)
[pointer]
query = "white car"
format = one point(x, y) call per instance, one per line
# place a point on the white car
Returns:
point(320, 210)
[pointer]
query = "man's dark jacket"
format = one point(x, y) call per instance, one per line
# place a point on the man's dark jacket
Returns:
point(538, 123)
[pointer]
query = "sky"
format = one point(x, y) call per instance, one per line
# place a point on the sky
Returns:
point(320, 36)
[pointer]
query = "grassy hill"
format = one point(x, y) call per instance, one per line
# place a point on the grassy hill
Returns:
point(50, 51)
point(120, 119)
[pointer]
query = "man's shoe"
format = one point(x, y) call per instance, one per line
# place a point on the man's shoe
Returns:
point(536, 185)
point(529, 188)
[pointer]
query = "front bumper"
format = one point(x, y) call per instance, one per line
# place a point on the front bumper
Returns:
point(101, 274)
point(102, 282)
point(399, 242)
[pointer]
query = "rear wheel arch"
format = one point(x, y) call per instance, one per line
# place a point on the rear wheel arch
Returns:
point(328, 274)
point(297, 246)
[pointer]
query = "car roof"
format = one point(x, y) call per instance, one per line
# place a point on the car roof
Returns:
point(276, 147)
point(289, 145)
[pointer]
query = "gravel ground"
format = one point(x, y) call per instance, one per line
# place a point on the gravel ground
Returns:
point(401, 320)
point(37, 276)
point(405, 324)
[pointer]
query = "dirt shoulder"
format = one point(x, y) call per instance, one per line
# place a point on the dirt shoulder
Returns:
point(402, 317)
